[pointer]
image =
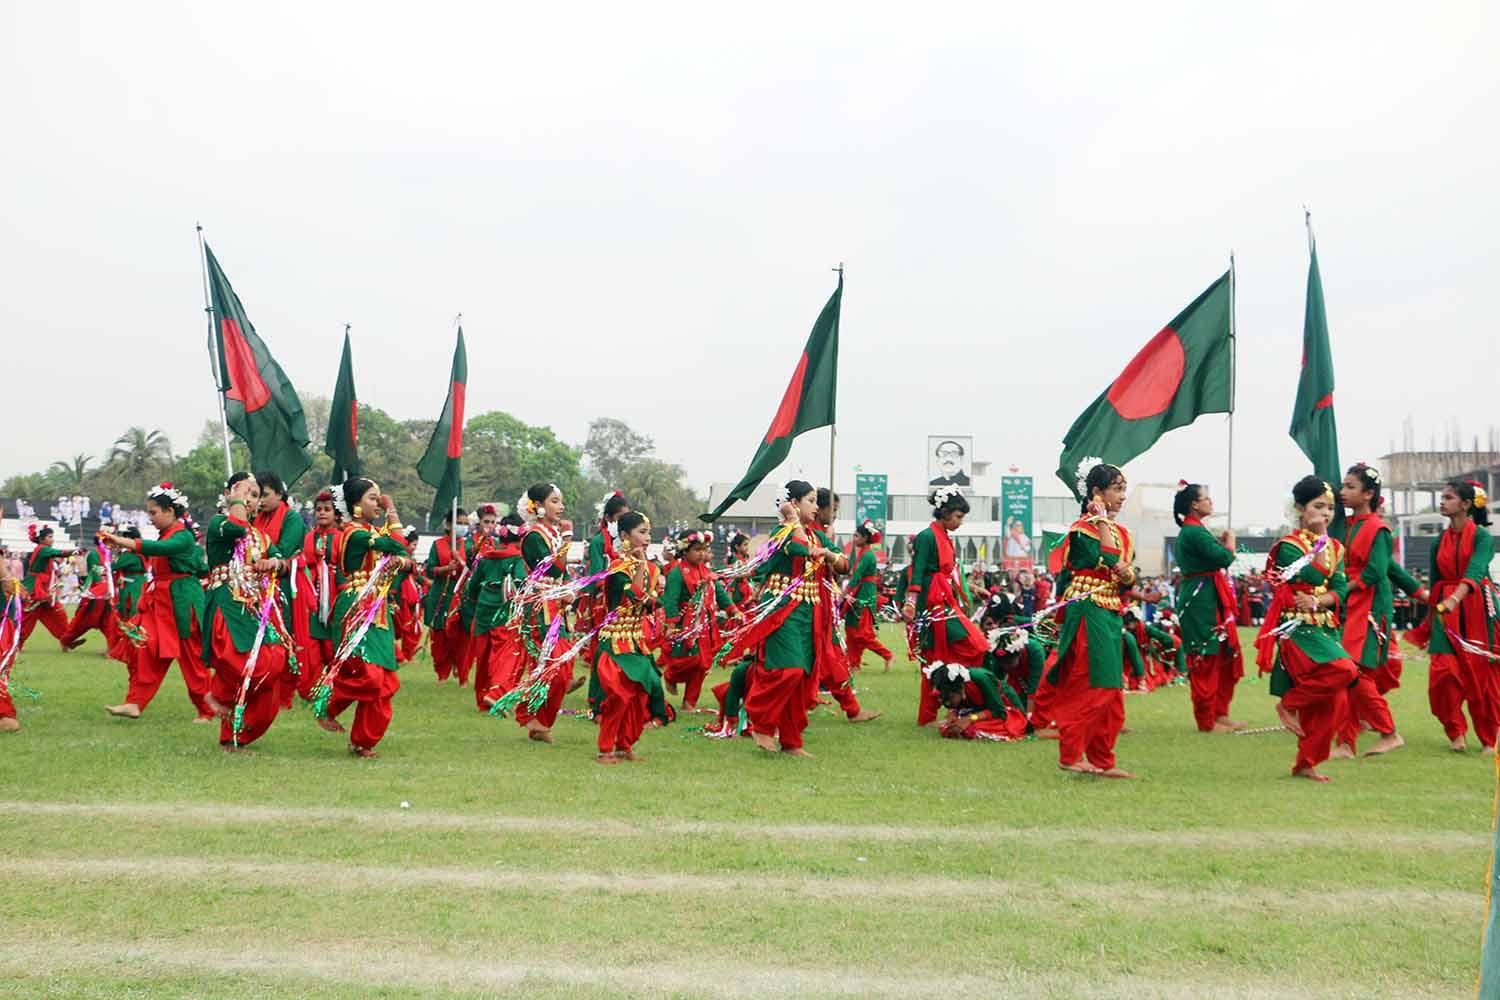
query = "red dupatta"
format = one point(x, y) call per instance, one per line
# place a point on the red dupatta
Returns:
point(1361, 602)
point(942, 592)
point(1265, 653)
point(1229, 605)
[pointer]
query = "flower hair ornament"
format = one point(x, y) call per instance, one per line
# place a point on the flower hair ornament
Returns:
point(1371, 473)
point(36, 530)
point(1081, 475)
point(172, 493)
point(486, 509)
point(340, 505)
point(510, 530)
point(872, 530)
point(940, 673)
point(1183, 484)
point(1481, 498)
point(781, 499)
point(943, 494)
point(691, 537)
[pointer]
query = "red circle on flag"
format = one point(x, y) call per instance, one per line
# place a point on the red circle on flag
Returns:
point(1149, 383)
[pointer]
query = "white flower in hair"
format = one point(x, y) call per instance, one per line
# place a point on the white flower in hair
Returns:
point(943, 494)
point(526, 508)
point(336, 491)
point(783, 496)
point(1082, 474)
point(954, 671)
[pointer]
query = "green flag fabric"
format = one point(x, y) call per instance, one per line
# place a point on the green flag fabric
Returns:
point(260, 404)
point(1185, 370)
point(441, 466)
point(1313, 426)
point(809, 402)
point(343, 420)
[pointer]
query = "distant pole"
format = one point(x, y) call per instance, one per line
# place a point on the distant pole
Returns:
point(1232, 374)
point(833, 431)
point(213, 353)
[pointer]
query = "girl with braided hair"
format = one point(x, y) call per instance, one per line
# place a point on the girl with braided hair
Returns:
point(1207, 610)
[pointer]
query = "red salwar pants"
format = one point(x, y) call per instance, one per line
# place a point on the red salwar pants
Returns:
point(863, 637)
point(148, 666)
point(557, 686)
point(498, 661)
point(1212, 680)
point(1454, 679)
point(1317, 699)
point(458, 640)
point(777, 703)
point(964, 652)
point(92, 613)
point(1012, 726)
point(835, 677)
point(1363, 703)
point(52, 616)
point(442, 655)
point(370, 688)
point(262, 699)
point(1088, 718)
point(688, 671)
point(622, 717)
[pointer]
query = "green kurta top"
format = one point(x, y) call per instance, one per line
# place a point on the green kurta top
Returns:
point(1322, 643)
point(93, 573)
point(288, 545)
point(240, 618)
point(678, 599)
point(1375, 575)
point(790, 646)
point(631, 653)
point(1475, 572)
point(496, 577)
point(132, 582)
point(440, 594)
point(540, 545)
point(1199, 556)
point(363, 547)
point(997, 692)
point(38, 564)
point(924, 565)
point(183, 556)
point(864, 578)
point(1102, 625)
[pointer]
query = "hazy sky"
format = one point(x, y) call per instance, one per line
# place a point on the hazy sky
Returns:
point(1021, 199)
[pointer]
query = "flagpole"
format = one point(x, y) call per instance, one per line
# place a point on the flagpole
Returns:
point(453, 510)
point(833, 431)
point(213, 352)
point(1232, 376)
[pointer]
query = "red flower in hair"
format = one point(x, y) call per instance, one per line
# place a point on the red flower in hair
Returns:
point(1182, 484)
point(168, 486)
point(1475, 483)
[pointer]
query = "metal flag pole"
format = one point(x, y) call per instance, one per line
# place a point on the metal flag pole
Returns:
point(213, 352)
point(1232, 375)
point(453, 511)
point(833, 431)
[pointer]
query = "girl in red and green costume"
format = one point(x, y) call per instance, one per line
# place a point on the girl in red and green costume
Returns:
point(367, 677)
point(130, 584)
point(864, 596)
point(628, 676)
point(1088, 673)
point(498, 574)
point(10, 645)
point(1207, 610)
point(1463, 634)
point(1301, 644)
point(936, 598)
point(693, 598)
point(312, 611)
point(1367, 619)
point(981, 705)
point(96, 608)
point(284, 527)
point(243, 605)
point(546, 554)
point(445, 564)
point(741, 590)
point(481, 537)
point(409, 603)
point(38, 602)
point(172, 609)
point(834, 676)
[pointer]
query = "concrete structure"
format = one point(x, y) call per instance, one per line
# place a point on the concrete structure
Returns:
point(1412, 480)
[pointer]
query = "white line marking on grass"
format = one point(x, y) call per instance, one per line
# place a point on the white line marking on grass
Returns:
point(198, 814)
point(982, 892)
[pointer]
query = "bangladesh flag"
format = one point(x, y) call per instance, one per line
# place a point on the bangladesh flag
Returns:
point(1052, 550)
point(1313, 426)
point(441, 466)
point(808, 403)
point(1185, 370)
point(343, 419)
point(260, 404)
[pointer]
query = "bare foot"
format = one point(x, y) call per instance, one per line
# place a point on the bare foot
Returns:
point(629, 755)
point(1225, 720)
point(865, 715)
point(541, 734)
point(578, 681)
point(125, 711)
point(9, 724)
point(766, 743)
point(795, 752)
point(1311, 773)
point(1220, 727)
point(607, 758)
point(202, 720)
point(363, 752)
point(1289, 719)
point(216, 706)
point(887, 668)
point(329, 725)
point(1459, 744)
point(1386, 744)
point(1487, 752)
point(1115, 772)
point(1341, 751)
point(1078, 767)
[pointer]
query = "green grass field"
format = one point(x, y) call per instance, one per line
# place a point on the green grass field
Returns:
point(138, 860)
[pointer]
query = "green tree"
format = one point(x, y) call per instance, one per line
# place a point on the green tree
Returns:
point(200, 473)
point(656, 488)
point(70, 475)
point(612, 446)
point(139, 452)
point(503, 456)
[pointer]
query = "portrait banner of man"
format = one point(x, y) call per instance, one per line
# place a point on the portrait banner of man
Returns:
point(950, 460)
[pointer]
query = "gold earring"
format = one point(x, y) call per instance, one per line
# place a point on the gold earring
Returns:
point(358, 511)
point(624, 545)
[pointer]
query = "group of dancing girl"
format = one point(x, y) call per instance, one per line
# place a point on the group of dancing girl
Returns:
point(260, 612)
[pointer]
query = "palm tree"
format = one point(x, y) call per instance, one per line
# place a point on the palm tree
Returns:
point(71, 474)
point(139, 451)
